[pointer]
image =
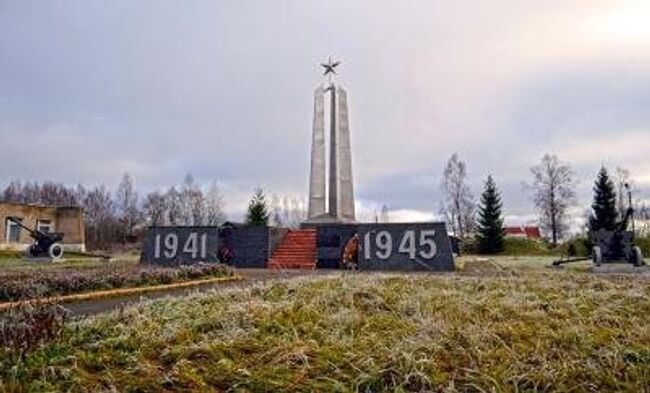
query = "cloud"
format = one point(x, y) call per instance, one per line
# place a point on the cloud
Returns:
point(223, 90)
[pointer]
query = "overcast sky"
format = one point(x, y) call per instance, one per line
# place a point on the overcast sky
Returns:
point(223, 89)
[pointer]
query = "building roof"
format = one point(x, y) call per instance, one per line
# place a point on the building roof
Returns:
point(39, 205)
point(532, 232)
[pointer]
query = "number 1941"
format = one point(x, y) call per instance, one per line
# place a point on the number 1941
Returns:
point(423, 246)
point(168, 246)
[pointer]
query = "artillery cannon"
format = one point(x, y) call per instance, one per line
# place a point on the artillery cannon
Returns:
point(45, 245)
point(617, 245)
point(613, 245)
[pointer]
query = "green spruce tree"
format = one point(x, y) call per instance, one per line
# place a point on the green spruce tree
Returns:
point(604, 212)
point(490, 231)
point(258, 213)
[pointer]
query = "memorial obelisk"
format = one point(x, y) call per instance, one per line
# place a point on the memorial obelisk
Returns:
point(332, 200)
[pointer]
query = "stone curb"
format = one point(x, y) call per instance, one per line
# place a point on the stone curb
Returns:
point(118, 292)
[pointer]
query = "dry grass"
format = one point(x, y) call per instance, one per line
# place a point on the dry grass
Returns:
point(505, 330)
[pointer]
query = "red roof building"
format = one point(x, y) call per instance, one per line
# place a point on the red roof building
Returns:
point(531, 232)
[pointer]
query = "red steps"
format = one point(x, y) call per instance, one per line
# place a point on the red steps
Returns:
point(296, 251)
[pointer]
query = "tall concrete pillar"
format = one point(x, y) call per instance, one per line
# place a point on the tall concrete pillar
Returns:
point(346, 188)
point(331, 191)
point(334, 156)
point(317, 177)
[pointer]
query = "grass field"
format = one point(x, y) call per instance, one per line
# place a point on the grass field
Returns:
point(13, 261)
point(496, 326)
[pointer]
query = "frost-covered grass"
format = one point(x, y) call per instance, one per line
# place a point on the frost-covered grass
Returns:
point(508, 330)
point(64, 279)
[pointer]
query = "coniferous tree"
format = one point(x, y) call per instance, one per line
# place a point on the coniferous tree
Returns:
point(258, 210)
point(604, 211)
point(490, 231)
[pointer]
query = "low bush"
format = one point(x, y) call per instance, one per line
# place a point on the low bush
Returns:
point(524, 246)
point(24, 328)
point(40, 283)
point(577, 246)
point(515, 246)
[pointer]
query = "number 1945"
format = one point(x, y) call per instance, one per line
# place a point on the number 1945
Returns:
point(423, 246)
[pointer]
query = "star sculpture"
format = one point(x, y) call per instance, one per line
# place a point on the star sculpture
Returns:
point(329, 66)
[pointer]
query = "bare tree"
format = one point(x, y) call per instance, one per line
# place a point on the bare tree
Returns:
point(214, 205)
point(13, 192)
point(155, 207)
point(458, 205)
point(49, 193)
point(126, 204)
point(174, 207)
point(297, 212)
point(277, 212)
point(287, 211)
point(57, 194)
point(553, 193)
point(100, 217)
point(384, 217)
point(643, 216)
point(191, 202)
point(621, 178)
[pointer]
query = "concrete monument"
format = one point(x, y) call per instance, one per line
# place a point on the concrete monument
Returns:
point(333, 200)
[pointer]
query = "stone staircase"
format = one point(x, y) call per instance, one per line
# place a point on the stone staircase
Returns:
point(296, 251)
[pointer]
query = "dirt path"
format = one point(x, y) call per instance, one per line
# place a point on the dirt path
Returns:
point(250, 276)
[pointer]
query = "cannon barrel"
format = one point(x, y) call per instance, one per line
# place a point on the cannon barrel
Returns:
point(20, 224)
point(36, 234)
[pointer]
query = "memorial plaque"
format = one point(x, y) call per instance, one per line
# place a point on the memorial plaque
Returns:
point(181, 245)
point(409, 247)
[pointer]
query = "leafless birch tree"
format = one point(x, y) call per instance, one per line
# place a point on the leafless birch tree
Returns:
point(458, 205)
point(553, 193)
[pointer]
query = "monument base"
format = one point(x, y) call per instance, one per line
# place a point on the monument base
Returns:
point(324, 219)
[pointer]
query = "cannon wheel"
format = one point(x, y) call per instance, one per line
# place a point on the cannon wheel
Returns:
point(55, 251)
point(637, 256)
point(597, 255)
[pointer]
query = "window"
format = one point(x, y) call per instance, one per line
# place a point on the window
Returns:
point(13, 231)
point(44, 226)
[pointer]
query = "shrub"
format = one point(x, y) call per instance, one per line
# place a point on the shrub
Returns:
point(24, 328)
point(578, 246)
point(524, 246)
point(41, 283)
point(514, 246)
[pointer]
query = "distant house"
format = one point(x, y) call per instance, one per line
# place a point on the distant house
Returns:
point(527, 232)
point(66, 220)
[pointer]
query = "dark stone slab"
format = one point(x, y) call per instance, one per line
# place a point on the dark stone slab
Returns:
point(172, 246)
point(405, 247)
point(249, 246)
